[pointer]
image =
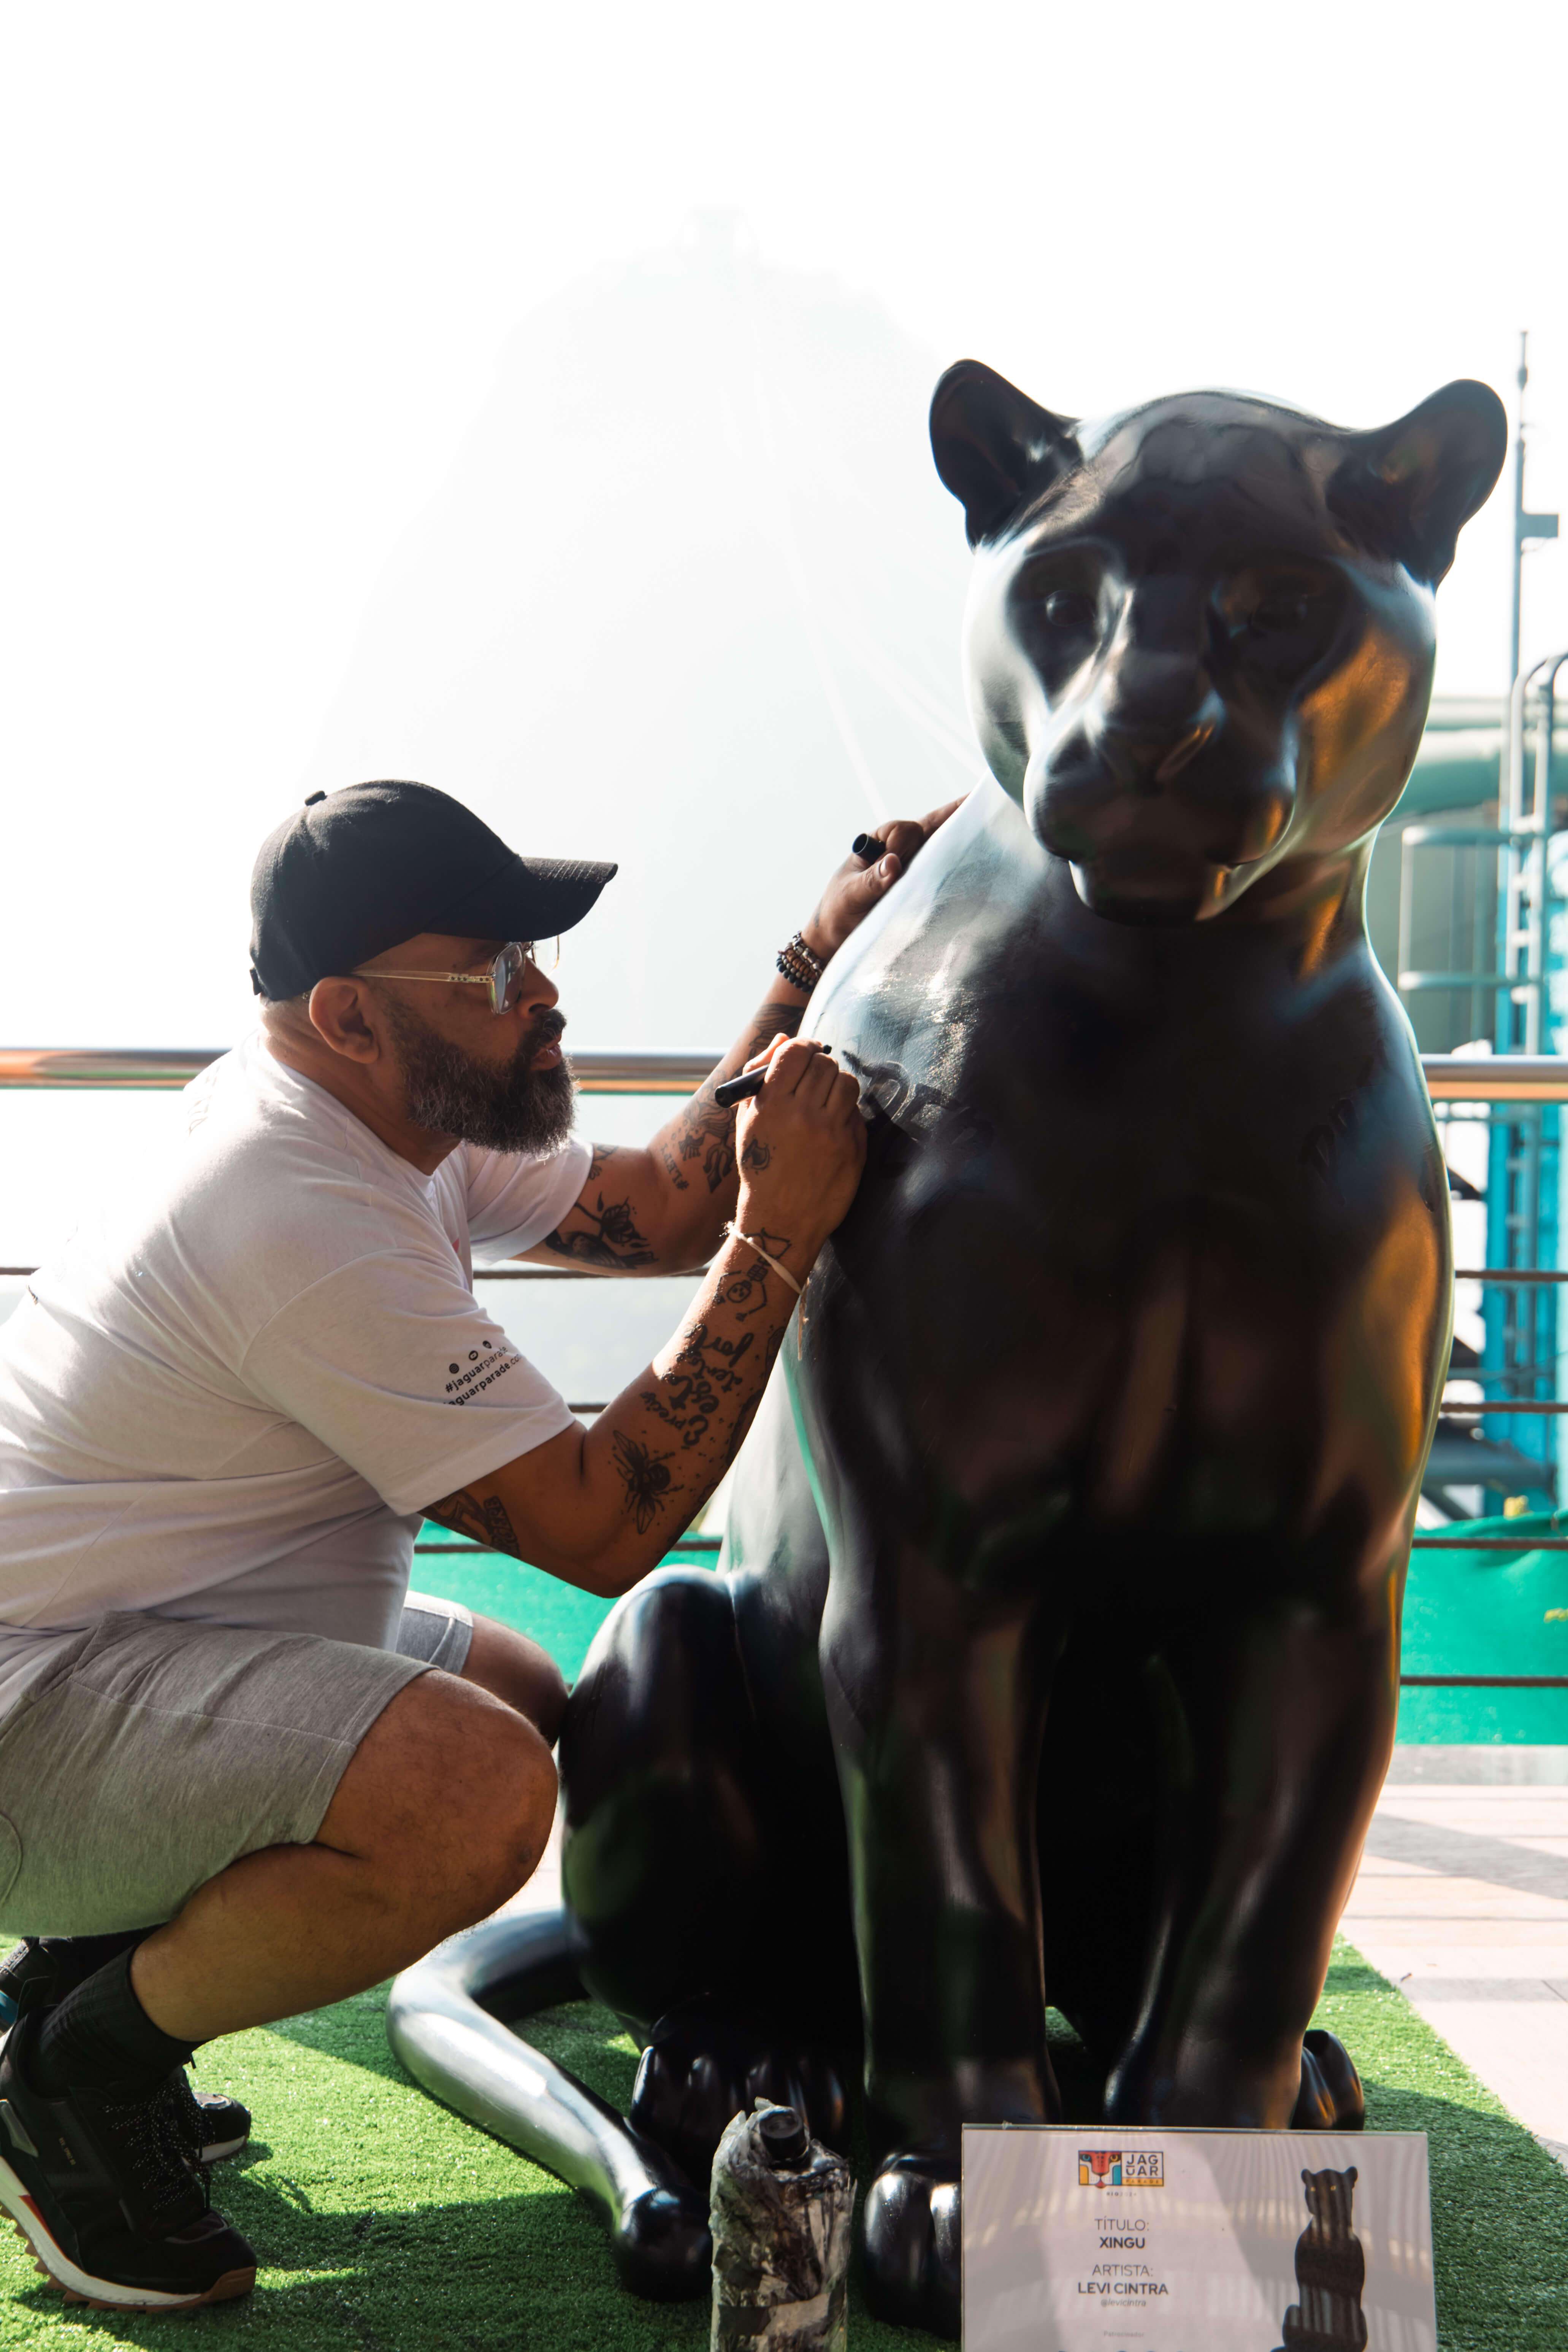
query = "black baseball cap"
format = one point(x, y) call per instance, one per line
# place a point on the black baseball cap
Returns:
point(352, 873)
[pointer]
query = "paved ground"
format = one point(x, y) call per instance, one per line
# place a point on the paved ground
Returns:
point(1462, 1902)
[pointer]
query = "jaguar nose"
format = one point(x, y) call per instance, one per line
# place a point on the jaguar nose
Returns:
point(1149, 689)
point(1186, 747)
point(1146, 750)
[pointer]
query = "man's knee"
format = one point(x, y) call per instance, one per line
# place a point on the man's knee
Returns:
point(508, 1664)
point(509, 1809)
point(451, 1792)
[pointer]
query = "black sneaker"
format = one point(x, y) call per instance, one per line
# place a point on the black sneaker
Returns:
point(213, 2128)
point(36, 1975)
point(105, 2198)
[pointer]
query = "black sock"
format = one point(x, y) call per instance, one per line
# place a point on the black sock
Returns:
point(101, 2036)
point(21, 1959)
point(44, 1969)
point(77, 1956)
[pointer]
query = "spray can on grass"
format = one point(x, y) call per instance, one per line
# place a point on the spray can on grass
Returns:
point(782, 2207)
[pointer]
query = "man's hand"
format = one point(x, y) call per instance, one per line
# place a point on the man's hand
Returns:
point(864, 878)
point(600, 1508)
point(802, 1145)
point(662, 1210)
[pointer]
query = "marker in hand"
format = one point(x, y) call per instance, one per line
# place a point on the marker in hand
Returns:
point(748, 1083)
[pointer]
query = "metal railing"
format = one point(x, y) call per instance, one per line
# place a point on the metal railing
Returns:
point(1490, 1077)
point(157, 1067)
point(483, 1551)
point(1483, 1079)
point(1450, 1077)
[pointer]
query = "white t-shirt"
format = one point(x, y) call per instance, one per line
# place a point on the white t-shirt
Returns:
point(232, 1398)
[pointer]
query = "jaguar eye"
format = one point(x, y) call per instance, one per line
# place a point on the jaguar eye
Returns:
point(1069, 608)
point(1279, 615)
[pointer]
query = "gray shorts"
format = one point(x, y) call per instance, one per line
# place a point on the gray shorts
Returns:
point(156, 1752)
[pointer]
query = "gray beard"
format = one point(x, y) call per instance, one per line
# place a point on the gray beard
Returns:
point(515, 1108)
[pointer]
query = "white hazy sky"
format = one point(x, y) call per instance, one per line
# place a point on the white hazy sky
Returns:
point(260, 262)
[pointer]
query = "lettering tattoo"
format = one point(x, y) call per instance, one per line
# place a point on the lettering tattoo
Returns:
point(672, 1168)
point(706, 1370)
point(648, 1482)
point(748, 1413)
point(483, 1518)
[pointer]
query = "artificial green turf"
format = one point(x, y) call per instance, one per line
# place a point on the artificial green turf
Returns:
point(385, 2224)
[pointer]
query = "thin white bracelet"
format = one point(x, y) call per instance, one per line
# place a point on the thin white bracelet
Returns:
point(735, 1235)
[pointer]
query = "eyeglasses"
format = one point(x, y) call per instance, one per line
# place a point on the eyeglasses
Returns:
point(501, 978)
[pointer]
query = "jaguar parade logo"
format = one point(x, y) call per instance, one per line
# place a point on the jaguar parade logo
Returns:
point(1116, 2167)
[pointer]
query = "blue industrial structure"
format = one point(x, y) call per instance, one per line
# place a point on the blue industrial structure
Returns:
point(1475, 861)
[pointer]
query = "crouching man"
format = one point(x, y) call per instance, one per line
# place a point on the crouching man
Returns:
point(244, 1771)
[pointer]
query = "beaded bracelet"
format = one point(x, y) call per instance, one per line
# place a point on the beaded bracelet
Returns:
point(800, 965)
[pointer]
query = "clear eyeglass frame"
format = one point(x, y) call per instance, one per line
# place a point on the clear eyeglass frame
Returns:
point(500, 977)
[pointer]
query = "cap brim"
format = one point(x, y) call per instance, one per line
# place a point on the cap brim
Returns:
point(527, 899)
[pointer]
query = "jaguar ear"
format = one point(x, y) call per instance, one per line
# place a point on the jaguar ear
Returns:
point(993, 446)
point(1408, 491)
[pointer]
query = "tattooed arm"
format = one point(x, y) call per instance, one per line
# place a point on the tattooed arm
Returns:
point(600, 1506)
point(661, 1210)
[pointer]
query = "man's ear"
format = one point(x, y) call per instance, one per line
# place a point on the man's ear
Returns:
point(993, 446)
point(336, 1011)
point(1409, 489)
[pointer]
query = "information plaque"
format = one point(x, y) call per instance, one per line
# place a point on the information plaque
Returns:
point(1118, 2240)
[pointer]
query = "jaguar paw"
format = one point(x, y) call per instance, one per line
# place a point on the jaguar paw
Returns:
point(662, 2247)
point(910, 2243)
point(704, 2065)
point(1331, 2098)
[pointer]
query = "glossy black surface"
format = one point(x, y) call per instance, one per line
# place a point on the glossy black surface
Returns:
point(1055, 1656)
point(446, 2020)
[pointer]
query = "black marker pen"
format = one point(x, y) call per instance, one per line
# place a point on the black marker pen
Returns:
point(741, 1089)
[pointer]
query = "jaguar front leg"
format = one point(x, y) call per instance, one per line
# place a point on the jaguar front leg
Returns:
point(1282, 1726)
point(937, 1697)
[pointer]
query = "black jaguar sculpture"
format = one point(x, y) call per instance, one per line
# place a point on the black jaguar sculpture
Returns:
point(1054, 1654)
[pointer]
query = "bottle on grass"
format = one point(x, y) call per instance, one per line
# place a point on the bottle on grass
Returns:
point(782, 2209)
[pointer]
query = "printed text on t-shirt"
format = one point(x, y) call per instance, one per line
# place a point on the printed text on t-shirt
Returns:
point(486, 1364)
